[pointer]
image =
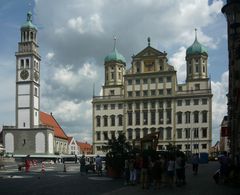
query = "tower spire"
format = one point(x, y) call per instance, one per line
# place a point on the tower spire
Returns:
point(115, 40)
point(149, 41)
point(195, 33)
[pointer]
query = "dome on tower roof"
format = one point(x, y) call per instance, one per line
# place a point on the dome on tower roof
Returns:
point(196, 48)
point(28, 23)
point(115, 56)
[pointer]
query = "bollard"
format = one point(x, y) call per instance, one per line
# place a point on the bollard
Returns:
point(43, 167)
point(64, 168)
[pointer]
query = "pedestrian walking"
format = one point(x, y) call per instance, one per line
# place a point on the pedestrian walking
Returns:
point(99, 165)
point(83, 165)
point(27, 163)
point(195, 163)
point(132, 171)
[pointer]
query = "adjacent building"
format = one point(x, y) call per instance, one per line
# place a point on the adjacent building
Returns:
point(232, 12)
point(73, 147)
point(224, 135)
point(60, 144)
point(147, 98)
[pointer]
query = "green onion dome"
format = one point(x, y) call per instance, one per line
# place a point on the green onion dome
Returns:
point(115, 56)
point(196, 47)
point(28, 23)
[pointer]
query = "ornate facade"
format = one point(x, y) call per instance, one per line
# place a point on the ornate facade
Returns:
point(147, 98)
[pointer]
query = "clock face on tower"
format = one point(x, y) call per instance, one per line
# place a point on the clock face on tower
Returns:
point(36, 76)
point(24, 74)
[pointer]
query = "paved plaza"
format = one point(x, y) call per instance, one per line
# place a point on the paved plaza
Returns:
point(55, 181)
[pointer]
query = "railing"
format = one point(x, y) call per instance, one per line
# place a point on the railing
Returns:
point(108, 97)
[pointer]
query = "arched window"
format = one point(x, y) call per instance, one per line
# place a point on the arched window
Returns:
point(112, 120)
point(179, 117)
point(196, 117)
point(130, 134)
point(120, 121)
point(98, 118)
point(204, 116)
point(105, 121)
point(40, 142)
point(9, 143)
point(50, 143)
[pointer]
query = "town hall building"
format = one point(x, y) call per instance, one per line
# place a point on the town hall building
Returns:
point(147, 99)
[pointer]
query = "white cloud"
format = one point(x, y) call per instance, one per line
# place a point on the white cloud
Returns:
point(179, 63)
point(50, 55)
point(93, 24)
point(219, 103)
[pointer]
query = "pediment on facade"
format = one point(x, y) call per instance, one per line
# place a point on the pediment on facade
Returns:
point(149, 52)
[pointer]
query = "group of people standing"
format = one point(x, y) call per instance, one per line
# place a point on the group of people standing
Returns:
point(155, 170)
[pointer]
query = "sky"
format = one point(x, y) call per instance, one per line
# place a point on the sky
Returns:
point(74, 37)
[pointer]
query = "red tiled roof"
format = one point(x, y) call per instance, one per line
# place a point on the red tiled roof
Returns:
point(85, 147)
point(49, 120)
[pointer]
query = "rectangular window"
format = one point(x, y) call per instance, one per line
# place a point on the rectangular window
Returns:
point(169, 79)
point(145, 93)
point(98, 107)
point(179, 133)
point(120, 106)
point(187, 102)
point(187, 117)
point(152, 105)
point(204, 132)
point(98, 121)
point(160, 79)
point(179, 117)
point(195, 146)
point(130, 82)
point(145, 117)
point(204, 116)
point(160, 104)
point(112, 120)
point(35, 91)
point(111, 92)
point(105, 135)
point(179, 147)
point(145, 105)
point(204, 146)
point(137, 131)
point(161, 133)
point(152, 80)
point(98, 135)
point(169, 136)
point(112, 134)
point(130, 94)
point(105, 121)
point(169, 105)
point(204, 101)
point(169, 91)
point(130, 134)
point(187, 146)
point(196, 101)
point(137, 81)
point(195, 132)
point(120, 121)
point(129, 118)
point(112, 106)
point(169, 116)
point(105, 106)
point(153, 92)
point(160, 91)
point(187, 133)
point(160, 117)
point(196, 116)
point(145, 81)
point(137, 105)
point(129, 106)
point(179, 102)
point(153, 119)
point(137, 93)
point(197, 86)
point(137, 113)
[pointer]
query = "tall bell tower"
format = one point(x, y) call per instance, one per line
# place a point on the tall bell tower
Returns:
point(27, 77)
point(28, 136)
